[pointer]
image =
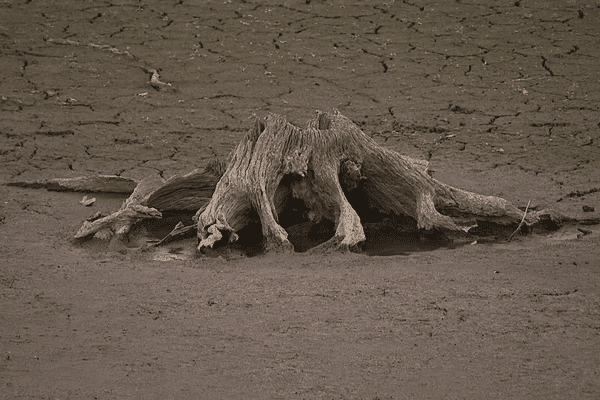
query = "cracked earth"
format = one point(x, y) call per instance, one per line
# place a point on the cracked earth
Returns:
point(501, 99)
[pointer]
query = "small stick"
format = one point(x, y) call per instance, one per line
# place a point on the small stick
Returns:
point(178, 232)
point(521, 223)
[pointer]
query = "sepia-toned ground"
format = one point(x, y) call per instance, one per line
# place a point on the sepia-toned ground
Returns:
point(502, 98)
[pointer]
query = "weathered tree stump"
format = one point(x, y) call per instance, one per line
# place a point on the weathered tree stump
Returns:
point(323, 165)
point(328, 174)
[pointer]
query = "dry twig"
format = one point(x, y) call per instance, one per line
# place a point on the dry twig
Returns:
point(522, 221)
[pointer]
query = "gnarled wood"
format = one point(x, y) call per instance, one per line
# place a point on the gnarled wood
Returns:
point(324, 164)
point(189, 192)
point(186, 193)
point(329, 173)
point(132, 211)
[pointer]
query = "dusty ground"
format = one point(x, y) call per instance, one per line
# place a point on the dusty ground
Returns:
point(502, 100)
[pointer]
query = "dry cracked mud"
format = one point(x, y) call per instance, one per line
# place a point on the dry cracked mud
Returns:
point(501, 98)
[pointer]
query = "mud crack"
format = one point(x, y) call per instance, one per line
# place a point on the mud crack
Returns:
point(545, 66)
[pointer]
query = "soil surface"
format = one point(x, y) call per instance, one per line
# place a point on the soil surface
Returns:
point(501, 99)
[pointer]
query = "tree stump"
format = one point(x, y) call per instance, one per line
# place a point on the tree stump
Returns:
point(329, 175)
point(340, 174)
